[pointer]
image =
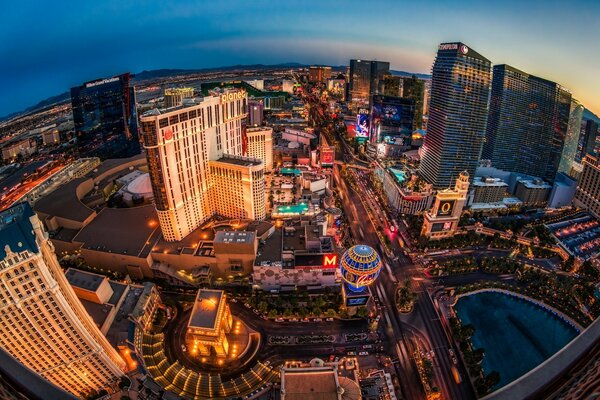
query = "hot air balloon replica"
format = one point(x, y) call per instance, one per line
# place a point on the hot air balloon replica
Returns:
point(360, 266)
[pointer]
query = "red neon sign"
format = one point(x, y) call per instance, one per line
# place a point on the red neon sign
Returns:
point(329, 260)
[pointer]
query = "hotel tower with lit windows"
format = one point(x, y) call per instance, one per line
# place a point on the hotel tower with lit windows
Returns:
point(195, 155)
point(43, 324)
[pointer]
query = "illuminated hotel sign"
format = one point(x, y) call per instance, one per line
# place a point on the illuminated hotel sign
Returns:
point(448, 46)
point(445, 208)
point(231, 96)
point(330, 260)
point(101, 82)
point(168, 135)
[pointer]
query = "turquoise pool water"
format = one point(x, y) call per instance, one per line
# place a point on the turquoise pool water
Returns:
point(400, 175)
point(294, 209)
point(290, 171)
point(517, 335)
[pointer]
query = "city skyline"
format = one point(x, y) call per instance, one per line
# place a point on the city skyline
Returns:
point(145, 36)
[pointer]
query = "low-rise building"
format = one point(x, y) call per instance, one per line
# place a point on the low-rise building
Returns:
point(317, 380)
point(488, 190)
point(297, 256)
point(16, 148)
point(532, 192)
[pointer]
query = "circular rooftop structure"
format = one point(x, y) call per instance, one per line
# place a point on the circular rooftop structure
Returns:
point(360, 266)
point(140, 185)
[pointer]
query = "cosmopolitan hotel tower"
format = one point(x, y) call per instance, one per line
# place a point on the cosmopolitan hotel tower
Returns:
point(527, 123)
point(196, 164)
point(460, 87)
point(42, 322)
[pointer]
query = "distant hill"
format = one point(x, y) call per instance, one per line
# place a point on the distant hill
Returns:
point(409, 74)
point(160, 73)
point(60, 98)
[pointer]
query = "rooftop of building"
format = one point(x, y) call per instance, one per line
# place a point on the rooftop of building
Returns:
point(487, 181)
point(84, 280)
point(130, 231)
point(226, 236)
point(534, 184)
point(16, 231)
point(63, 202)
point(98, 312)
point(315, 383)
point(206, 309)
point(193, 242)
point(242, 161)
point(120, 327)
point(269, 251)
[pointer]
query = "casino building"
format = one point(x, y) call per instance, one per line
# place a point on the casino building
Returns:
point(442, 220)
point(181, 143)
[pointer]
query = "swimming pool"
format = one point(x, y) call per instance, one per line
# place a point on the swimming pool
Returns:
point(291, 171)
point(400, 175)
point(517, 335)
point(293, 209)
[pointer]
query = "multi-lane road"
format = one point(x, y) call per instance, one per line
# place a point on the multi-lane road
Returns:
point(422, 327)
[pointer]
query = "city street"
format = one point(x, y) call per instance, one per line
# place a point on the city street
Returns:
point(403, 332)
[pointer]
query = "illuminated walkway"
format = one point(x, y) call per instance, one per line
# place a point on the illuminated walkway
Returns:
point(189, 384)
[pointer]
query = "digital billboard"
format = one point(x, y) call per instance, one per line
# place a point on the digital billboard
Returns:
point(445, 208)
point(362, 125)
point(357, 301)
point(327, 156)
point(441, 226)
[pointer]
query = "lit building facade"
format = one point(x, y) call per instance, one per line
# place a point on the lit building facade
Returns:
point(587, 140)
point(572, 137)
point(442, 220)
point(460, 87)
point(174, 96)
point(179, 145)
point(527, 123)
point(238, 187)
point(260, 145)
point(414, 88)
point(43, 323)
point(105, 118)
point(256, 111)
point(587, 195)
point(319, 74)
point(209, 321)
point(364, 80)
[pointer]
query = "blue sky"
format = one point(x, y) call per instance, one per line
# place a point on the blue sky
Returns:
point(47, 47)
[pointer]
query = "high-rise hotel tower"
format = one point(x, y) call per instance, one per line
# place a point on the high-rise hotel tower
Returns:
point(181, 143)
point(527, 124)
point(460, 87)
point(42, 322)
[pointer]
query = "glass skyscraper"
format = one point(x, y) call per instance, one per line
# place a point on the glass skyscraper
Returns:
point(572, 138)
point(364, 80)
point(460, 88)
point(527, 123)
point(587, 139)
point(105, 118)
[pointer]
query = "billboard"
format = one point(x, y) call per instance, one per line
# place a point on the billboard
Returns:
point(445, 208)
point(362, 125)
point(392, 116)
point(357, 301)
point(441, 226)
point(327, 156)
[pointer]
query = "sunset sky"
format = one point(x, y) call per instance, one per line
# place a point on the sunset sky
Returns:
point(47, 48)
